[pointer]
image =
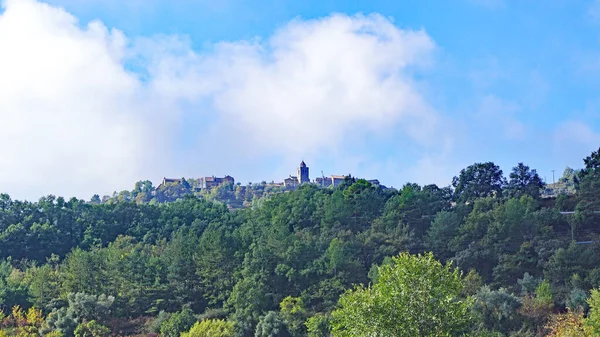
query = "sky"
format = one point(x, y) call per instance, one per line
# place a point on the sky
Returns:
point(98, 94)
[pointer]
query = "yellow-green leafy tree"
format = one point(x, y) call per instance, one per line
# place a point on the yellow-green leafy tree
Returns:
point(210, 328)
point(569, 324)
point(415, 295)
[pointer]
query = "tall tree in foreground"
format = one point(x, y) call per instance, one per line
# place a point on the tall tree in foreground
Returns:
point(415, 295)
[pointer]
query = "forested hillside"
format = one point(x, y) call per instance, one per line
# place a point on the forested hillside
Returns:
point(75, 268)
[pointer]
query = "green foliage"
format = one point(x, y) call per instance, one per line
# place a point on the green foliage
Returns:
point(568, 324)
point(318, 325)
point(577, 300)
point(157, 322)
point(271, 325)
point(543, 292)
point(91, 329)
point(157, 250)
point(472, 283)
point(528, 284)
point(538, 309)
point(479, 180)
point(524, 181)
point(497, 310)
point(210, 328)
point(63, 321)
point(81, 308)
point(294, 314)
point(90, 307)
point(592, 164)
point(179, 322)
point(415, 296)
point(592, 321)
point(443, 229)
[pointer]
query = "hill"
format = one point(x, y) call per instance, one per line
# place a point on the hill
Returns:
point(150, 267)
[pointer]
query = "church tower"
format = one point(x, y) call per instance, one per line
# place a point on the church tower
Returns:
point(303, 173)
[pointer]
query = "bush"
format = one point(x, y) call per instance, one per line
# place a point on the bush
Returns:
point(179, 322)
point(91, 329)
point(318, 326)
point(156, 323)
point(271, 325)
point(211, 328)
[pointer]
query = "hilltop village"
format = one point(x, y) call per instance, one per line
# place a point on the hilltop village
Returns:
point(236, 195)
point(291, 182)
point(221, 189)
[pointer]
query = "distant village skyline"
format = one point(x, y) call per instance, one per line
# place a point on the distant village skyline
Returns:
point(302, 177)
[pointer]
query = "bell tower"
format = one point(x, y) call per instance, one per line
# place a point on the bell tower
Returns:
point(303, 174)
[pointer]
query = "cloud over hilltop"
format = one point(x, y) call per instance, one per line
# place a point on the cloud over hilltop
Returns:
point(84, 109)
point(312, 81)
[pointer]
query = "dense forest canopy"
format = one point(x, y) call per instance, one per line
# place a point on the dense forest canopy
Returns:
point(288, 263)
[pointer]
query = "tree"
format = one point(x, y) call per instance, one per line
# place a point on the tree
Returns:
point(443, 228)
point(588, 207)
point(478, 181)
point(318, 325)
point(178, 322)
point(539, 308)
point(81, 308)
point(415, 295)
point(497, 309)
point(523, 181)
point(568, 324)
point(95, 199)
point(592, 164)
point(210, 328)
point(416, 206)
point(293, 313)
point(570, 177)
point(271, 325)
point(91, 329)
point(592, 322)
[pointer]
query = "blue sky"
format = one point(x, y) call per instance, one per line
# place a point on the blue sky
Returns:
point(218, 88)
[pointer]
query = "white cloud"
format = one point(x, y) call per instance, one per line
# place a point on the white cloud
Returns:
point(312, 82)
point(75, 121)
point(69, 113)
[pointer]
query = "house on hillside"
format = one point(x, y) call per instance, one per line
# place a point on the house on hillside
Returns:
point(323, 181)
point(210, 182)
point(337, 180)
point(291, 182)
point(166, 181)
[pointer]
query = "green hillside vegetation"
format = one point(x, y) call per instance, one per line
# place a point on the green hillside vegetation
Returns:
point(233, 195)
point(484, 257)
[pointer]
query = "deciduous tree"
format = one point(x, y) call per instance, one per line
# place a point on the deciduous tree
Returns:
point(414, 296)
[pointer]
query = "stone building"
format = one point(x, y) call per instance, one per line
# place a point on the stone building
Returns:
point(166, 181)
point(323, 181)
point(303, 177)
point(336, 180)
point(290, 182)
point(210, 182)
